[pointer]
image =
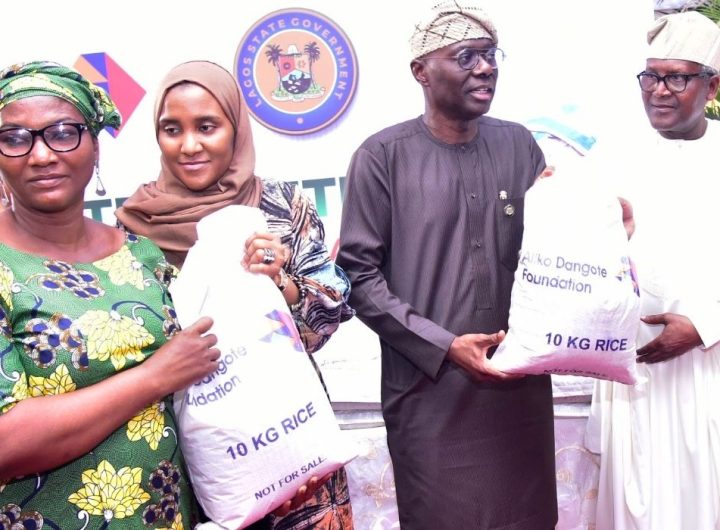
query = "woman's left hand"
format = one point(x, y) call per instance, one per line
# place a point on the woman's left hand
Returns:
point(304, 493)
point(627, 216)
point(265, 254)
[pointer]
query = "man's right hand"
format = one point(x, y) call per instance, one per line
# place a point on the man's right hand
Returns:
point(470, 353)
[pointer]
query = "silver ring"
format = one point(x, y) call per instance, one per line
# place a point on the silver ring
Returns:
point(268, 256)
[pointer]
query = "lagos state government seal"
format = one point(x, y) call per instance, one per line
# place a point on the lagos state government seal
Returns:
point(297, 71)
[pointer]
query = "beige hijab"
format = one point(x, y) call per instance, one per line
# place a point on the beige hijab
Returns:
point(165, 210)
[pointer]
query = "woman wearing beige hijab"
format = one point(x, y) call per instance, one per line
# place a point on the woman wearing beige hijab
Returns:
point(207, 163)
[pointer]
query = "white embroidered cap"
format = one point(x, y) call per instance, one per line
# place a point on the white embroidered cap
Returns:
point(688, 36)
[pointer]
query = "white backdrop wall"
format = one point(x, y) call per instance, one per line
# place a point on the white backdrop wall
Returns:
point(583, 53)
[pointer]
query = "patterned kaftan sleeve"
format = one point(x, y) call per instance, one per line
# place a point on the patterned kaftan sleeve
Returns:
point(324, 288)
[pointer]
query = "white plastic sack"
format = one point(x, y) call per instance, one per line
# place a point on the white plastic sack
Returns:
point(575, 306)
point(261, 426)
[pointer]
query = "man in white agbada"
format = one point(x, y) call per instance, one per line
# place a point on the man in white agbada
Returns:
point(660, 441)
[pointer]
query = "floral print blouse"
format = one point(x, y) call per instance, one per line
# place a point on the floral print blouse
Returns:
point(65, 326)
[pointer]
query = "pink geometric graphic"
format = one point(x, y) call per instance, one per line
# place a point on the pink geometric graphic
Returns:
point(102, 70)
point(283, 329)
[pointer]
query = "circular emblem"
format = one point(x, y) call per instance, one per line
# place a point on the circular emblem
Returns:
point(297, 71)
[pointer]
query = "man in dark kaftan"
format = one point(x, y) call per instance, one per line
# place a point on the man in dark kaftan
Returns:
point(431, 228)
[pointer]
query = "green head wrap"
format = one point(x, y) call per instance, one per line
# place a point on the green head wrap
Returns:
point(43, 78)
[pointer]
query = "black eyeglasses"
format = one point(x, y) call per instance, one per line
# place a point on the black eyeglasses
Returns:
point(468, 58)
point(675, 83)
point(60, 137)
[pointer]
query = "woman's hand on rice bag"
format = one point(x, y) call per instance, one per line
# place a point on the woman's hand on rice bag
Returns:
point(186, 358)
point(627, 216)
point(265, 254)
point(678, 337)
point(304, 493)
point(470, 353)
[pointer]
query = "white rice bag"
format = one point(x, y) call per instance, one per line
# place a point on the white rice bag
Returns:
point(575, 306)
point(261, 426)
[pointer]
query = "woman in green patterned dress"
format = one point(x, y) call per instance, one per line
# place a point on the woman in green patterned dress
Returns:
point(89, 343)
